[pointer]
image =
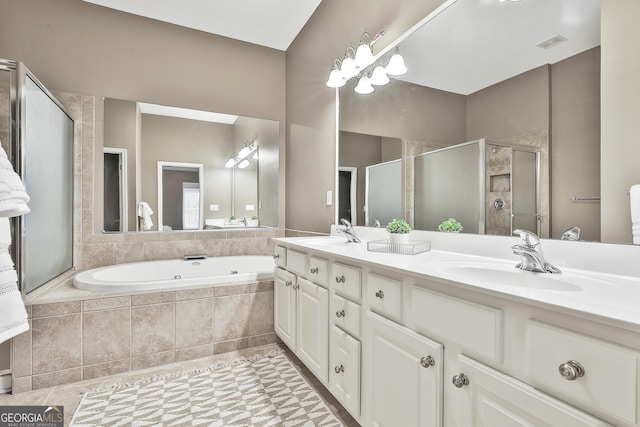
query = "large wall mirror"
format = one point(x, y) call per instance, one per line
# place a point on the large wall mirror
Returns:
point(495, 123)
point(169, 169)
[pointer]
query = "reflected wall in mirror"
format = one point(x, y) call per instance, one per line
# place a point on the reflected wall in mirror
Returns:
point(475, 73)
point(141, 140)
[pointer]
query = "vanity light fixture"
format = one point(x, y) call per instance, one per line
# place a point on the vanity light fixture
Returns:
point(379, 76)
point(348, 68)
point(231, 162)
point(240, 158)
point(396, 65)
point(364, 55)
point(335, 77)
point(364, 86)
point(243, 164)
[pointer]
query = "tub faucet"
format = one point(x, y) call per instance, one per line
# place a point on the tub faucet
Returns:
point(531, 256)
point(572, 233)
point(349, 231)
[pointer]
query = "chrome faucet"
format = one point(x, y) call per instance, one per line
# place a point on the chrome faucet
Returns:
point(531, 256)
point(244, 221)
point(349, 231)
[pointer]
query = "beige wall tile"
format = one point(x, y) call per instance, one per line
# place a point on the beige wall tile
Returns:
point(210, 235)
point(188, 247)
point(158, 250)
point(97, 254)
point(56, 343)
point(155, 298)
point(221, 291)
point(152, 328)
point(233, 345)
point(261, 313)
point(106, 303)
point(231, 317)
point(128, 252)
point(194, 294)
point(107, 238)
point(261, 287)
point(250, 246)
point(260, 340)
point(46, 310)
point(106, 335)
point(21, 347)
point(151, 360)
point(194, 322)
point(191, 353)
point(20, 385)
point(56, 378)
point(105, 369)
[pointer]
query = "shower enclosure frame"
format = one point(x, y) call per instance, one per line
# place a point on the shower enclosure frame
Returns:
point(16, 154)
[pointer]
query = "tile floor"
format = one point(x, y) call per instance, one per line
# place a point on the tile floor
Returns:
point(69, 395)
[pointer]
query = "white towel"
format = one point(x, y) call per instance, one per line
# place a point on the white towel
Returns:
point(13, 197)
point(634, 200)
point(145, 212)
point(13, 316)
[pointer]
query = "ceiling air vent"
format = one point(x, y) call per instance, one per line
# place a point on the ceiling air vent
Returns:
point(552, 42)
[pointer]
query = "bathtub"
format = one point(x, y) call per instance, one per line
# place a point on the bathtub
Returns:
point(176, 274)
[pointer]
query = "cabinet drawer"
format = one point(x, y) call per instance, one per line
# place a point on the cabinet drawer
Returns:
point(319, 271)
point(384, 296)
point(346, 280)
point(297, 262)
point(280, 256)
point(346, 315)
point(344, 370)
point(476, 327)
point(609, 380)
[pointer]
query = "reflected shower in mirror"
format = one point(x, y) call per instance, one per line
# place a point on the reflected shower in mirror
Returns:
point(475, 73)
point(147, 146)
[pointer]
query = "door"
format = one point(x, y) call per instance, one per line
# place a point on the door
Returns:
point(345, 195)
point(112, 207)
point(524, 188)
point(344, 370)
point(313, 327)
point(403, 376)
point(488, 398)
point(284, 310)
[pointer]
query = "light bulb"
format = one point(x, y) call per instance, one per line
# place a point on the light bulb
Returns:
point(364, 56)
point(364, 86)
point(348, 68)
point(246, 150)
point(379, 76)
point(243, 164)
point(396, 66)
point(335, 79)
point(230, 163)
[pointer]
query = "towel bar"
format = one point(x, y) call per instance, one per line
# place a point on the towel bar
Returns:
point(585, 198)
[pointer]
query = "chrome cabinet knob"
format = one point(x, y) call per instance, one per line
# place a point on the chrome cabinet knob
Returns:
point(339, 369)
point(380, 294)
point(427, 361)
point(571, 370)
point(296, 287)
point(340, 279)
point(288, 283)
point(276, 256)
point(340, 313)
point(460, 380)
point(314, 270)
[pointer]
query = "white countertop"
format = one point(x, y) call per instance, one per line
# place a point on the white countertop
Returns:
point(609, 298)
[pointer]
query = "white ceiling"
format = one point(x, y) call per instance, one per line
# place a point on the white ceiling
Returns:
point(272, 23)
point(474, 44)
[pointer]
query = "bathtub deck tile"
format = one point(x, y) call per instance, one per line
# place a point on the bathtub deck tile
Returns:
point(56, 309)
point(154, 298)
point(194, 294)
point(106, 335)
point(56, 343)
point(153, 329)
point(194, 322)
point(231, 317)
point(106, 303)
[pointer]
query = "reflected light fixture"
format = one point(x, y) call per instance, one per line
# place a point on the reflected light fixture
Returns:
point(243, 164)
point(379, 76)
point(231, 162)
point(240, 158)
point(335, 78)
point(364, 55)
point(396, 65)
point(364, 86)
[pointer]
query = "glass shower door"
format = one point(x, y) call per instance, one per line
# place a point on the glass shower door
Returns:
point(524, 176)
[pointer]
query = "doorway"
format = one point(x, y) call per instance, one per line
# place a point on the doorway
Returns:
point(347, 192)
point(180, 196)
point(115, 189)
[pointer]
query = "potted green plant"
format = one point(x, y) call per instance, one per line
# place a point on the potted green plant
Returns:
point(253, 222)
point(399, 231)
point(233, 219)
point(450, 225)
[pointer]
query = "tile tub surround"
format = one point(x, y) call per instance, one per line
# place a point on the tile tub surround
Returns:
point(83, 339)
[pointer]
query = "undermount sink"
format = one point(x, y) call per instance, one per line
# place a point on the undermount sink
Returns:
point(507, 274)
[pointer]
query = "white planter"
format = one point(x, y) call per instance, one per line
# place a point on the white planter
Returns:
point(399, 238)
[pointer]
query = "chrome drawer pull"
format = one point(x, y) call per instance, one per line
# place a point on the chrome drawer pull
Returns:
point(289, 283)
point(314, 270)
point(460, 380)
point(571, 370)
point(340, 313)
point(339, 369)
point(380, 294)
point(427, 361)
point(340, 279)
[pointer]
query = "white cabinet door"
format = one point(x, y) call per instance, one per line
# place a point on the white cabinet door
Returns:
point(284, 310)
point(313, 327)
point(403, 376)
point(489, 398)
point(344, 370)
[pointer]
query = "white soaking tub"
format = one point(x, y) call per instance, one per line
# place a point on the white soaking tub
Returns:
point(177, 274)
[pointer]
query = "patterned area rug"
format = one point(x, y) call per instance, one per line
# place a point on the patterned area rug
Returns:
point(267, 391)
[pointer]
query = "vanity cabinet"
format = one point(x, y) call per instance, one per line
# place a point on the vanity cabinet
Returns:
point(406, 349)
